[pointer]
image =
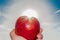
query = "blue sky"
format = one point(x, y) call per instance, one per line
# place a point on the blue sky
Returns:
point(8, 12)
point(55, 3)
point(56, 6)
point(5, 3)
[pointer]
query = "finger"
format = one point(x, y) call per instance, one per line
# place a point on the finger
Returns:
point(41, 30)
point(14, 36)
point(40, 36)
point(38, 39)
point(12, 33)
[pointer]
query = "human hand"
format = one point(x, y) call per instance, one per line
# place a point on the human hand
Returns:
point(16, 37)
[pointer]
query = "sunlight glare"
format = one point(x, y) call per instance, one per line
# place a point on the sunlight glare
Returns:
point(30, 13)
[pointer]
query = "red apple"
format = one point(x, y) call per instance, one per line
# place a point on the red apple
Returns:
point(27, 27)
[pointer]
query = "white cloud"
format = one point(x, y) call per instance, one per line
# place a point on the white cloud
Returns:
point(57, 11)
point(45, 18)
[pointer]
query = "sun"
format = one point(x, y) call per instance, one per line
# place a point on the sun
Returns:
point(30, 13)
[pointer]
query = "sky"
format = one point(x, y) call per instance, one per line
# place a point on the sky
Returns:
point(48, 12)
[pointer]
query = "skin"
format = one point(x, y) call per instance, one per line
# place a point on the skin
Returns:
point(16, 37)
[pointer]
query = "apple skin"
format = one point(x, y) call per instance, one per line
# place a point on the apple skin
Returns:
point(27, 27)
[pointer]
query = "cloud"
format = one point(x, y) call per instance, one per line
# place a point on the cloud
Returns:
point(44, 14)
point(57, 16)
point(2, 19)
point(4, 4)
point(57, 11)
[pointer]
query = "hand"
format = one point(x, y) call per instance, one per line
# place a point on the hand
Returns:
point(16, 37)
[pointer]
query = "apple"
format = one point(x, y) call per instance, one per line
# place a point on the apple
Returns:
point(27, 27)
